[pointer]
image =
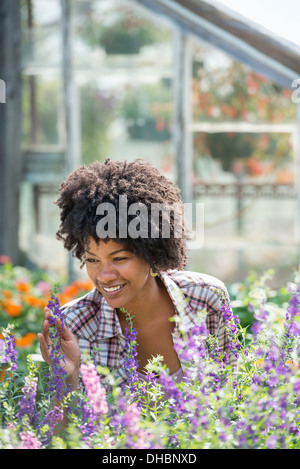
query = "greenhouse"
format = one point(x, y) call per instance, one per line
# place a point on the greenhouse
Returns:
point(200, 91)
point(206, 92)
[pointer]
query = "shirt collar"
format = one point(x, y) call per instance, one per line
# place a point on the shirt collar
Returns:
point(109, 324)
point(183, 311)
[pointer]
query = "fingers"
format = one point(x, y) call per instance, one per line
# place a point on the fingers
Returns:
point(44, 336)
point(46, 322)
point(44, 348)
point(64, 332)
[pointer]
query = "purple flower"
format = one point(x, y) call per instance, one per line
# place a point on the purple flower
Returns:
point(175, 396)
point(273, 381)
point(271, 442)
point(256, 328)
point(52, 419)
point(56, 373)
point(261, 314)
point(294, 303)
point(130, 422)
point(8, 353)
point(130, 361)
point(2, 351)
point(94, 390)
point(296, 386)
point(295, 329)
point(27, 401)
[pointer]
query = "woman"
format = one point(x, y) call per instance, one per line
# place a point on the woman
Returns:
point(120, 219)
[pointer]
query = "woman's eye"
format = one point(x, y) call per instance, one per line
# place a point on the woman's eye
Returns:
point(91, 260)
point(120, 258)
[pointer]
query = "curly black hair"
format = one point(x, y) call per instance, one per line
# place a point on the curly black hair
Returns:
point(104, 182)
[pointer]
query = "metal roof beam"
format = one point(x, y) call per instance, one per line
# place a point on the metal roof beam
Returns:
point(204, 30)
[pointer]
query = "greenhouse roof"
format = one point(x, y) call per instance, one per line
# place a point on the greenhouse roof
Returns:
point(249, 41)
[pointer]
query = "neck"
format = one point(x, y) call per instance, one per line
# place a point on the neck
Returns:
point(145, 309)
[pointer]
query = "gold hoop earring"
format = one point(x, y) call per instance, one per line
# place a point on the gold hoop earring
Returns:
point(153, 274)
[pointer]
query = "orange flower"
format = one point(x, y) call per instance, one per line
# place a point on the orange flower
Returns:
point(43, 303)
point(23, 286)
point(84, 284)
point(12, 308)
point(7, 293)
point(3, 373)
point(64, 299)
point(290, 362)
point(32, 300)
point(71, 290)
point(26, 340)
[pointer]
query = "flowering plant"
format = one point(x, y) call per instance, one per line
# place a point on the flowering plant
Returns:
point(23, 296)
point(120, 30)
point(215, 406)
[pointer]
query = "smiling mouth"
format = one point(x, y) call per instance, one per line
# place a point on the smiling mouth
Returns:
point(113, 289)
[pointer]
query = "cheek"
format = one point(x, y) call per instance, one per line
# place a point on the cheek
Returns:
point(142, 275)
point(90, 272)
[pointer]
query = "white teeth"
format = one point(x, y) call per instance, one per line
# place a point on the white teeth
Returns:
point(113, 288)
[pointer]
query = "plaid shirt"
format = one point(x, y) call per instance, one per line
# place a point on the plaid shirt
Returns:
point(98, 331)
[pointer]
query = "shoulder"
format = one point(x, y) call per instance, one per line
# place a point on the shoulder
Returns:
point(81, 315)
point(190, 281)
point(200, 290)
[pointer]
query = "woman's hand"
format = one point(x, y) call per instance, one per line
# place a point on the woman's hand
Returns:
point(69, 347)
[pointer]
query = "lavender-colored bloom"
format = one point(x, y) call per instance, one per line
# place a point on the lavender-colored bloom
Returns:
point(256, 329)
point(296, 386)
point(294, 303)
point(56, 373)
point(273, 381)
point(261, 315)
point(2, 351)
point(295, 329)
point(130, 362)
point(52, 419)
point(271, 442)
point(175, 396)
point(8, 353)
point(54, 306)
point(130, 422)
point(27, 401)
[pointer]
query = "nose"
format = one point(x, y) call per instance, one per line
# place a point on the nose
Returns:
point(106, 274)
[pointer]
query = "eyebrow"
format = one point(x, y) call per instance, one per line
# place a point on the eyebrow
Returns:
point(110, 254)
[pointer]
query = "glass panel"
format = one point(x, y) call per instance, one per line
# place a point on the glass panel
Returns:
point(124, 70)
point(233, 264)
point(41, 34)
point(225, 90)
point(42, 110)
point(247, 157)
point(244, 162)
point(39, 221)
point(117, 27)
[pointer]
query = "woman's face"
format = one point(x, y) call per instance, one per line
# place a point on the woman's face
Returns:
point(121, 276)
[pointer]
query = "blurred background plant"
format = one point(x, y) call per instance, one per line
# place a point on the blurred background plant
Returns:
point(147, 111)
point(24, 294)
point(118, 31)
